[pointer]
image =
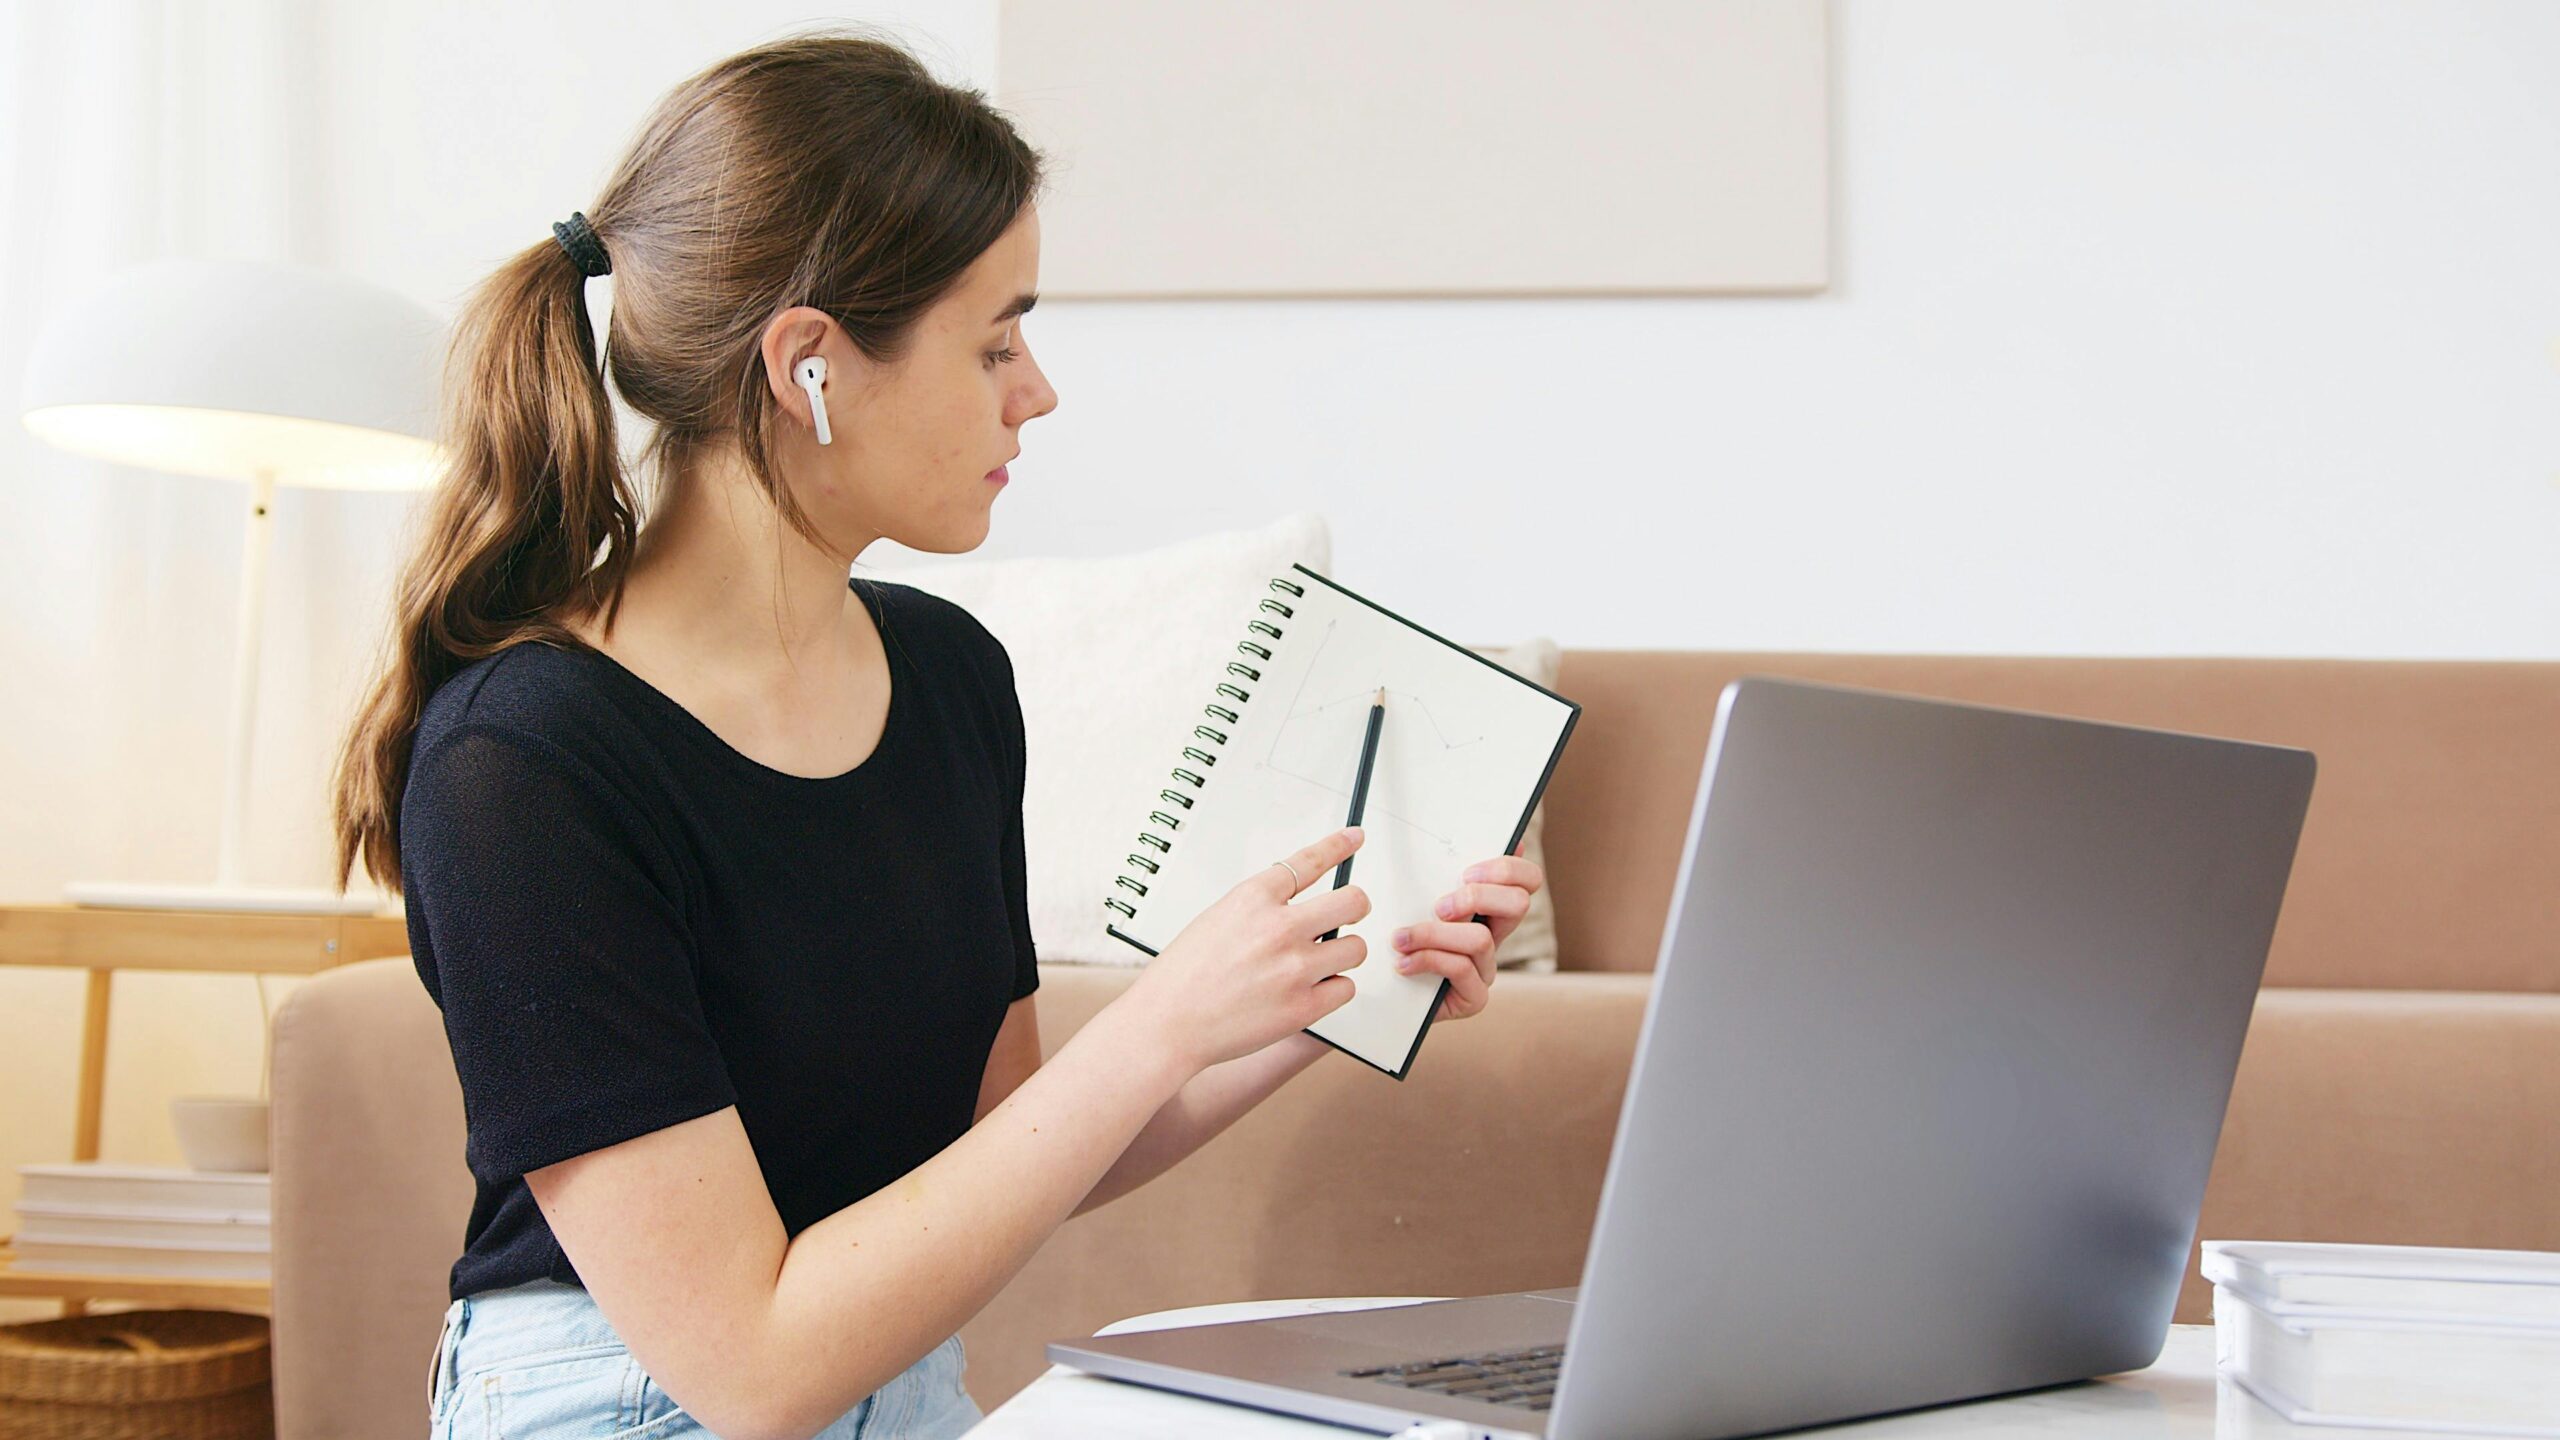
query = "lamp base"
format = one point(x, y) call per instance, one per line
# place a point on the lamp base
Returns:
point(262, 899)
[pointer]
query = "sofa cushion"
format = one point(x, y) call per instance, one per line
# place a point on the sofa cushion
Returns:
point(2427, 856)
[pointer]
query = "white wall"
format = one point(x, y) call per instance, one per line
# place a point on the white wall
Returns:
point(2173, 328)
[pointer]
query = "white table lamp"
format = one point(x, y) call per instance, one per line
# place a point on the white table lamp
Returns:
point(241, 370)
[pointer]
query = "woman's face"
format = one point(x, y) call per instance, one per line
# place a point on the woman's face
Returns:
point(918, 448)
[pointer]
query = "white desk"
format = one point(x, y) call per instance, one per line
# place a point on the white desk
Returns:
point(2178, 1398)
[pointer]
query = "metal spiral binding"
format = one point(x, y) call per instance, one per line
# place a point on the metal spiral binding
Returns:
point(1168, 819)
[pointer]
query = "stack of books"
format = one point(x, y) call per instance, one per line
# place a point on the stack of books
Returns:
point(93, 1218)
point(2392, 1336)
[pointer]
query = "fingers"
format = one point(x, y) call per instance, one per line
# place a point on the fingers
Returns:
point(1466, 939)
point(1330, 910)
point(1313, 862)
point(1338, 954)
point(1507, 870)
point(1469, 989)
point(1328, 995)
point(1478, 897)
point(1497, 892)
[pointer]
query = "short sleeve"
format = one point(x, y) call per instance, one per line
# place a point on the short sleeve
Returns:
point(557, 947)
point(1017, 888)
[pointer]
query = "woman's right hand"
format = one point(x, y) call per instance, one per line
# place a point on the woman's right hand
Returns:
point(1247, 971)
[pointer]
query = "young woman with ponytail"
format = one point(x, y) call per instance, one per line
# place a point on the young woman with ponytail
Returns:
point(713, 853)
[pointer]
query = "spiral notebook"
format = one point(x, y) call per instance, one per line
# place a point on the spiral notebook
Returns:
point(1267, 765)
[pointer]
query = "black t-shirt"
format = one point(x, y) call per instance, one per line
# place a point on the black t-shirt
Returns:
point(629, 923)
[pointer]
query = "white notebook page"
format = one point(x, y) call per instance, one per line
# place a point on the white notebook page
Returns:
point(1463, 754)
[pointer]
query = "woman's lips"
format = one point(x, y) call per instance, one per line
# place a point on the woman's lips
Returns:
point(998, 475)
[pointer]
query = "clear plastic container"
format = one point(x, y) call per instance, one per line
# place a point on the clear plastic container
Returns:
point(2392, 1337)
point(2520, 1285)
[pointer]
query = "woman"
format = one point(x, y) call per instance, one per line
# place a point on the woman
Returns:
point(713, 860)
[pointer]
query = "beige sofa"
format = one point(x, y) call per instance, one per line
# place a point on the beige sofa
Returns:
point(2401, 1080)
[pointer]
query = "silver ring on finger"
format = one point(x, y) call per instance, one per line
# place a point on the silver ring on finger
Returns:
point(1296, 884)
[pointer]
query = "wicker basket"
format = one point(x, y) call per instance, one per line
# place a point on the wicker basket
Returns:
point(161, 1374)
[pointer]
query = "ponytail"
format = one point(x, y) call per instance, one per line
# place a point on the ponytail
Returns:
point(510, 537)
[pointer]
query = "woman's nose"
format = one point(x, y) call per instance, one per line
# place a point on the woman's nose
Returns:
point(1035, 398)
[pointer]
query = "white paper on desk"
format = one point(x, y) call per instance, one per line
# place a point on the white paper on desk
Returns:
point(1464, 752)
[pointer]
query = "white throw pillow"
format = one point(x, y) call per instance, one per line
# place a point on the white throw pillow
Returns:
point(1533, 945)
point(1107, 652)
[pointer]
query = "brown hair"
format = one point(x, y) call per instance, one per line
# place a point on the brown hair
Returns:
point(829, 169)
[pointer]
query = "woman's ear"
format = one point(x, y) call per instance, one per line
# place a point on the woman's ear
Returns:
point(804, 333)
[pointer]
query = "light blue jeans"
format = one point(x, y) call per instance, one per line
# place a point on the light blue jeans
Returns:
point(538, 1362)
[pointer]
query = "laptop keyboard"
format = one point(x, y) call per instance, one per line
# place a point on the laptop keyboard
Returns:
point(1526, 1378)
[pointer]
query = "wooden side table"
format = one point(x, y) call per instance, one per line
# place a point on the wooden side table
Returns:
point(103, 941)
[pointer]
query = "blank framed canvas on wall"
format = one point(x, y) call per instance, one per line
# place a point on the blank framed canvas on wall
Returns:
point(1424, 147)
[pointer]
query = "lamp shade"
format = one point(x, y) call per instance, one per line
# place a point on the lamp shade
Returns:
point(236, 368)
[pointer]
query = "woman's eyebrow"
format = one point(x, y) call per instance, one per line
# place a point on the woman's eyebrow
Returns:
point(1021, 306)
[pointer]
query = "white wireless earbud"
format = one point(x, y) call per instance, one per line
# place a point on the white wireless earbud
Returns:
point(812, 375)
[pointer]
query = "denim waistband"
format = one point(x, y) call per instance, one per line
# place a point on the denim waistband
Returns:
point(538, 1317)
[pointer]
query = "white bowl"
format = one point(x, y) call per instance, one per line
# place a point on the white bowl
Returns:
point(216, 1133)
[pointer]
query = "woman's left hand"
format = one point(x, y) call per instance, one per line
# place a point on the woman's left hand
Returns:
point(1461, 948)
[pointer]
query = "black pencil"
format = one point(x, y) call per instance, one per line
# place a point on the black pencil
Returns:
point(1360, 786)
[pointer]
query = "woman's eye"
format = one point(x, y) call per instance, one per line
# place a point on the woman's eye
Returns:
point(999, 357)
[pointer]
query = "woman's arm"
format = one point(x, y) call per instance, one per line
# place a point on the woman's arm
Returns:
point(677, 1238)
point(1194, 1116)
point(1211, 1102)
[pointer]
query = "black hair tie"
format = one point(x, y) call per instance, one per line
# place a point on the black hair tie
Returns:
point(579, 239)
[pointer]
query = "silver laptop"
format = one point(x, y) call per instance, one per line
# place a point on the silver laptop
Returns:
point(1941, 1033)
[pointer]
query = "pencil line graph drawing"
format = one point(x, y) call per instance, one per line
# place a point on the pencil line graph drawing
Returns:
point(1315, 726)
